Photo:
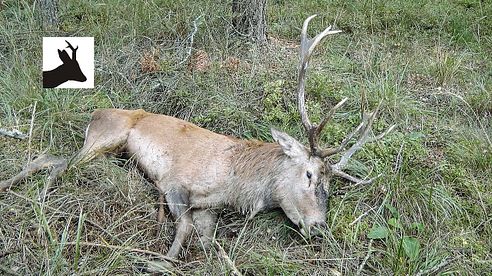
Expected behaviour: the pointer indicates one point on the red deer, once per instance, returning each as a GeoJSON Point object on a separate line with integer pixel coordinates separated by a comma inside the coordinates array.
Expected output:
{"type": "Point", "coordinates": [197, 170]}
{"type": "Point", "coordinates": [69, 70]}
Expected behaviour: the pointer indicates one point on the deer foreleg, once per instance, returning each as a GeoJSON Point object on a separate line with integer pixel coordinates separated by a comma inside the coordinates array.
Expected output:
{"type": "Point", "coordinates": [178, 203]}
{"type": "Point", "coordinates": [205, 220]}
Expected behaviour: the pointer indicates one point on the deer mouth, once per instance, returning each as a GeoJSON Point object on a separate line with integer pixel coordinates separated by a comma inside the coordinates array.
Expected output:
{"type": "Point", "coordinates": [315, 230]}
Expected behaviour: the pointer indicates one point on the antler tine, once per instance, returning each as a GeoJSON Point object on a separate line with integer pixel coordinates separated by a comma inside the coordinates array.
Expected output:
{"type": "Point", "coordinates": [329, 115]}
{"type": "Point", "coordinates": [354, 179]}
{"type": "Point", "coordinates": [382, 134]}
{"type": "Point", "coordinates": [366, 126]}
{"type": "Point", "coordinates": [74, 50]}
{"type": "Point", "coordinates": [331, 151]}
{"type": "Point", "coordinates": [363, 129]}
{"type": "Point", "coordinates": [308, 45]}
{"type": "Point", "coordinates": [304, 40]}
{"type": "Point", "coordinates": [305, 43]}
{"type": "Point", "coordinates": [307, 48]}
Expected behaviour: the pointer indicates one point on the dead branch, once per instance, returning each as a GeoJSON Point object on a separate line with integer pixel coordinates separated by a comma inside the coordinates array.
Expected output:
{"type": "Point", "coordinates": [196, 23]}
{"type": "Point", "coordinates": [13, 134]}
{"type": "Point", "coordinates": [361, 216]}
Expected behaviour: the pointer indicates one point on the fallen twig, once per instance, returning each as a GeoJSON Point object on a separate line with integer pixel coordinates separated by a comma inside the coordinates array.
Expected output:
{"type": "Point", "coordinates": [228, 260]}
{"type": "Point", "coordinates": [13, 134]}
{"type": "Point", "coordinates": [361, 216]}
{"type": "Point", "coordinates": [126, 248]}
{"type": "Point", "coordinates": [369, 251]}
{"type": "Point", "coordinates": [31, 127]}
{"type": "Point", "coordinates": [196, 23]}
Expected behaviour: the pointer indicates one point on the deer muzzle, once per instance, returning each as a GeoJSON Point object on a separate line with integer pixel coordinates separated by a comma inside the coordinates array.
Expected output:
{"type": "Point", "coordinates": [314, 230]}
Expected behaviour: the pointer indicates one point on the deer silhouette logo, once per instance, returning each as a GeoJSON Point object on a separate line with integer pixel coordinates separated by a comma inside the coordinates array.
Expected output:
{"type": "Point", "coordinates": [69, 70]}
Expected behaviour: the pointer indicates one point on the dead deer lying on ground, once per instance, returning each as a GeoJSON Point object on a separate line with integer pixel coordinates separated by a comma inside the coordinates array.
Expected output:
{"type": "Point", "coordinates": [198, 170]}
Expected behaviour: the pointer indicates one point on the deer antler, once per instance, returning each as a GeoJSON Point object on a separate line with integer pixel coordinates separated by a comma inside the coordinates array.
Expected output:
{"type": "Point", "coordinates": [74, 50]}
{"type": "Point", "coordinates": [307, 48]}
{"type": "Point", "coordinates": [313, 130]}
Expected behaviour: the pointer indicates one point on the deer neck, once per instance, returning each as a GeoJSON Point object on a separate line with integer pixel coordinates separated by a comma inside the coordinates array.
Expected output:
{"type": "Point", "coordinates": [255, 169]}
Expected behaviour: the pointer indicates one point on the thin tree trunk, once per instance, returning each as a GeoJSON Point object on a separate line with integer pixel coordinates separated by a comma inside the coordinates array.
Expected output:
{"type": "Point", "coordinates": [49, 13]}
{"type": "Point", "coordinates": [249, 19]}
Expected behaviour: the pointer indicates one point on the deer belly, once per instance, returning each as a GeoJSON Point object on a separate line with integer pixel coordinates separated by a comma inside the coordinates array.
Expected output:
{"type": "Point", "coordinates": [189, 165]}
{"type": "Point", "coordinates": [154, 159]}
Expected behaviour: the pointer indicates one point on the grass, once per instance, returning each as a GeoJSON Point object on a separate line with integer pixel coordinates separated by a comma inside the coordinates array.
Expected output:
{"type": "Point", "coordinates": [429, 62]}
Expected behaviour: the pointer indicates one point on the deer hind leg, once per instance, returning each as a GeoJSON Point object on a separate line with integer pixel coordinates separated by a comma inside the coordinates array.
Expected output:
{"type": "Point", "coordinates": [108, 131]}
{"type": "Point", "coordinates": [101, 138]}
{"type": "Point", "coordinates": [57, 165]}
{"type": "Point", "coordinates": [178, 203]}
{"type": "Point", "coordinates": [98, 140]}
{"type": "Point", "coordinates": [160, 213]}
{"type": "Point", "coordinates": [205, 221]}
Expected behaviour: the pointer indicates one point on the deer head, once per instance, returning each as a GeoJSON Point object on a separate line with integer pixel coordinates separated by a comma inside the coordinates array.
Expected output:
{"type": "Point", "coordinates": [304, 196]}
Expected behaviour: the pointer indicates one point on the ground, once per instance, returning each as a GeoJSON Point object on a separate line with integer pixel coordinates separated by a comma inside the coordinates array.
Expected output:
{"type": "Point", "coordinates": [428, 62]}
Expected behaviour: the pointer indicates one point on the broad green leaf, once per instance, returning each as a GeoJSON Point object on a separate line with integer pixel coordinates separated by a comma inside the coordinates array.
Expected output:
{"type": "Point", "coordinates": [378, 232]}
{"type": "Point", "coordinates": [392, 210]}
{"type": "Point", "coordinates": [419, 226]}
{"type": "Point", "coordinates": [394, 222]}
{"type": "Point", "coordinates": [411, 246]}
{"type": "Point", "coordinates": [416, 135]}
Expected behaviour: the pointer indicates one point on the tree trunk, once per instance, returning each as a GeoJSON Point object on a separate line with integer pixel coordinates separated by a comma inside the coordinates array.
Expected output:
{"type": "Point", "coordinates": [49, 13]}
{"type": "Point", "coordinates": [249, 19]}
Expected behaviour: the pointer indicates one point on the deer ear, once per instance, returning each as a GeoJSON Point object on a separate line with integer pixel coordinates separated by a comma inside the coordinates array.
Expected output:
{"type": "Point", "coordinates": [64, 56]}
{"type": "Point", "coordinates": [290, 146]}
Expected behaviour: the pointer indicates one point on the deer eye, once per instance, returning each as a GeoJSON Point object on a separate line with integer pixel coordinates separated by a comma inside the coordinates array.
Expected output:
{"type": "Point", "coordinates": [309, 174]}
